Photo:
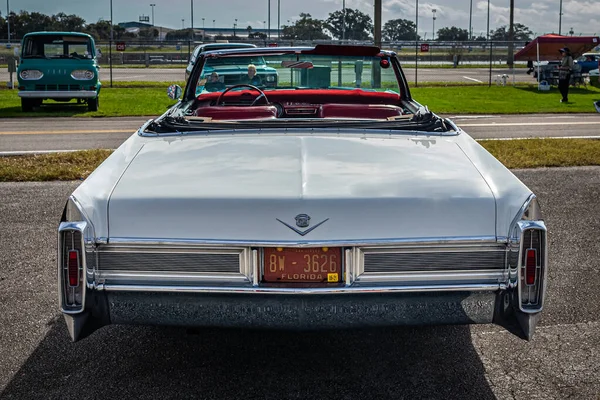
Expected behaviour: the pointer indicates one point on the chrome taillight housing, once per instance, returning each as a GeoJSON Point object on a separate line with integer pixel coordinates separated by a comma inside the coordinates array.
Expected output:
{"type": "Point", "coordinates": [528, 257]}
{"type": "Point", "coordinates": [532, 267]}
{"type": "Point", "coordinates": [71, 266]}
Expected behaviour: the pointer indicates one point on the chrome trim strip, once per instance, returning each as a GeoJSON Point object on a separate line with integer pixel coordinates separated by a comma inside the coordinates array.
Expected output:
{"type": "Point", "coordinates": [255, 267]}
{"type": "Point", "coordinates": [58, 94]}
{"type": "Point", "coordinates": [141, 132]}
{"type": "Point", "coordinates": [78, 226]}
{"type": "Point", "coordinates": [158, 277]}
{"type": "Point", "coordinates": [520, 214]}
{"type": "Point", "coordinates": [445, 276]}
{"type": "Point", "coordinates": [459, 240]}
{"type": "Point", "coordinates": [308, 291]}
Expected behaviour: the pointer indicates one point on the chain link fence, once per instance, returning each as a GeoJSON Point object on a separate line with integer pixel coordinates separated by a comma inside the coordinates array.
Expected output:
{"type": "Point", "coordinates": [477, 62]}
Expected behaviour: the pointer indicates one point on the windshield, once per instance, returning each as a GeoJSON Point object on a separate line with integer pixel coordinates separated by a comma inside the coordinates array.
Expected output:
{"type": "Point", "coordinates": [57, 46]}
{"type": "Point", "coordinates": [297, 71]}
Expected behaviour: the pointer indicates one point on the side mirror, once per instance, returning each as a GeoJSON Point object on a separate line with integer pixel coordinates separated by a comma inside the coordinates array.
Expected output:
{"type": "Point", "coordinates": [174, 92]}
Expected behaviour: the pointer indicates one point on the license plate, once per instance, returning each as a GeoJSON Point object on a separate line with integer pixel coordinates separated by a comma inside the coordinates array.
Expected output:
{"type": "Point", "coordinates": [322, 264]}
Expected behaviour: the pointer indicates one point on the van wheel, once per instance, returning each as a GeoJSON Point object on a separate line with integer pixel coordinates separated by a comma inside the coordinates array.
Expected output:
{"type": "Point", "coordinates": [27, 105]}
{"type": "Point", "coordinates": [93, 104]}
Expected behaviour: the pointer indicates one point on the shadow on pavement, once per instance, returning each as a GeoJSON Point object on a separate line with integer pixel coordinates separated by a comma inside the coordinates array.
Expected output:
{"type": "Point", "coordinates": [159, 362]}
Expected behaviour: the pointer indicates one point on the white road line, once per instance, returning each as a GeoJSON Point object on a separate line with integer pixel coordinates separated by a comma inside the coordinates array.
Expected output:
{"type": "Point", "coordinates": [534, 123]}
{"type": "Point", "coordinates": [472, 79]}
{"type": "Point", "coordinates": [121, 78]}
{"type": "Point", "coordinates": [543, 137]}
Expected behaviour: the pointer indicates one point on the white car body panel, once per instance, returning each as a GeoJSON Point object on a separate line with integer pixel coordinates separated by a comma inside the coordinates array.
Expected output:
{"type": "Point", "coordinates": [414, 182]}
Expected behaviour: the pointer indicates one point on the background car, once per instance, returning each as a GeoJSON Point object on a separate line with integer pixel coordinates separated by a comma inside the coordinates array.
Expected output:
{"type": "Point", "coordinates": [588, 62]}
{"type": "Point", "coordinates": [60, 66]}
{"type": "Point", "coordinates": [209, 47]}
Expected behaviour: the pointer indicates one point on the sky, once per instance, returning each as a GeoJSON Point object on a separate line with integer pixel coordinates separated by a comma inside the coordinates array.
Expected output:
{"type": "Point", "coordinates": [541, 16]}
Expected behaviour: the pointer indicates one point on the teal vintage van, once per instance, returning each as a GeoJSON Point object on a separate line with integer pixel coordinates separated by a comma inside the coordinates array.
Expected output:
{"type": "Point", "coordinates": [60, 66]}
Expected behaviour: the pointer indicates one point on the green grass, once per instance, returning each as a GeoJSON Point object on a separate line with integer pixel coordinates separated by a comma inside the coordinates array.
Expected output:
{"type": "Point", "coordinates": [527, 153]}
{"type": "Point", "coordinates": [149, 98]}
{"type": "Point", "coordinates": [535, 153]}
{"type": "Point", "coordinates": [504, 100]}
{"type": "Point", "coordinates": [115, 102]}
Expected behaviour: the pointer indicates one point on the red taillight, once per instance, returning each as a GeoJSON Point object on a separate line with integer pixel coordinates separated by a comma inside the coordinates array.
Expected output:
{"type": "Point", "coordinates": [530, 266]}
{"type": "Point", "coordinates": [73, 268]}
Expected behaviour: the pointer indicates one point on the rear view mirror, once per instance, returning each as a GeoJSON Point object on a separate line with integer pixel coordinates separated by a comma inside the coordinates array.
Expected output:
{"type": "Point", "coordinates": [174, 92]}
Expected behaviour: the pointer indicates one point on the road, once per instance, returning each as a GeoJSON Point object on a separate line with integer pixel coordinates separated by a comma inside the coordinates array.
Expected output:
{"type": "Point", "coordinates": [38, 134]}
{"type": "Point", "coordinates": [169, 75]}
{"type": "Point", "coordinates": [477, 362]}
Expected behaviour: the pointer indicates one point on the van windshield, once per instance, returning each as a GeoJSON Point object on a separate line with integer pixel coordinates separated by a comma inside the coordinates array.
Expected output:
{"type": "Point", "coordinates": [58, 46]}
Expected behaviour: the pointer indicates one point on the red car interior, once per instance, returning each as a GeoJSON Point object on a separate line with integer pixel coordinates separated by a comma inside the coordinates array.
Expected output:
{"type": "Point", "coordinates": [328, 103]}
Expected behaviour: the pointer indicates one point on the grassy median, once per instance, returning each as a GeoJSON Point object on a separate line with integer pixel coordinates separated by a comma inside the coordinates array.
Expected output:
{"type": "Point", "coordinates": [526, 153]}
{"type": "Point", "coordinates": [149, 98]}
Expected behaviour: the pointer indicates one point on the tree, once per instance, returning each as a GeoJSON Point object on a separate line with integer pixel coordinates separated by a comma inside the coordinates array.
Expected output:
{"type": "Point", "coordinates": [358, 26]}
{"type": "Point", "coordinates": [521, 32]}
{"type": "Point", "coordinates": [306, 28]}
{"type": "Point", "coordinates": [452, 34]}
{"type": "Point", "coordinates": [399, 29]}
{"type": "Point", "coordinates": [64, 22]}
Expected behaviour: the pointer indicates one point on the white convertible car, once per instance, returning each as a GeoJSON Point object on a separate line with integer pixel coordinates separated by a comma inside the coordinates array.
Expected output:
{"type": "Point", "coordinates": [331, 200]}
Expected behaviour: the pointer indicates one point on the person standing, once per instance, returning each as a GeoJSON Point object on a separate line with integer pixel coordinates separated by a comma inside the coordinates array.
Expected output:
{"type": "Point", "coordinates": [564, 73]}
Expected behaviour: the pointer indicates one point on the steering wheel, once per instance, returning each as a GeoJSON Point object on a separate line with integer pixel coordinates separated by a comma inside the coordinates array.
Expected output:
{"type": "Point", "coordinates": [262, 94]}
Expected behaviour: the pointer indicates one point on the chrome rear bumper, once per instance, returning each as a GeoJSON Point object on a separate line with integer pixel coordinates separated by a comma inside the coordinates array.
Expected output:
{"type": "Point", "coordinates": [286, 311]}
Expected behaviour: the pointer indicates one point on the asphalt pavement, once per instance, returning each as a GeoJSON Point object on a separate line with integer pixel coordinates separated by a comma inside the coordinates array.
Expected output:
{"type": "Point", "coordinates": [41, 134]}
{"type": "Point", "coordinates": [37, 360]}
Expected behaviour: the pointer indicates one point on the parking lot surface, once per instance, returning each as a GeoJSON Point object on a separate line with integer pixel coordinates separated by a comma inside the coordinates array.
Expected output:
{"type": "Point", "coordinates": [37, 359]}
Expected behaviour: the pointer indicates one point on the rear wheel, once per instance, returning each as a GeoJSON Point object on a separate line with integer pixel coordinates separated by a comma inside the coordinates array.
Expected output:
{"type": "Point", "coordinates": [93, 104]}
{"type": "Point", "coordinates": [27, 104]}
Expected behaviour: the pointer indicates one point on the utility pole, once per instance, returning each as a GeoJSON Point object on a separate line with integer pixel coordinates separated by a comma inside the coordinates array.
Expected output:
{"type": "Point", "coordinates": [416, 41]}
{"type": "Point", "coordinates": [376, 69]}
{"type": "Point", "coordinates": [511, 34]}
{"type": "Point", "coordinates": [433, 36]}
{"type": "Point", "coordinates": [344, 20]}
{"type": "Point", "coordinates": [560, 18]}
{"type": "Point", "coordinates": [8, 19]}
{"type": "Point", "coordinates": [110, 45]}
{"type": "Point", "coordinates": [470, 20]}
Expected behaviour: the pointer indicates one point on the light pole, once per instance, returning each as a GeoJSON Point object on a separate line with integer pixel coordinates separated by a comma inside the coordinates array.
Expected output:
{"type": "Point", "coordinates": [203, 29]}
{"type": "Point", "coordinates": [470, 21]}
{"type": "Point", "coordinates": [269, 19]}
{"type": "Point", "coordinates": [152, 5]}
{"type": "Point", "coordinates": [214, 24]}
{"type": "Point", "coordinates": [182, 21]}
{"type": "Point", "coordinates": [560, 18]}
{"type": "Point", "coordinates": [192, 16]}
{"type": "Point", "coordinates": [234, 26]}
{"type": "Point", "coordinates": [433, 11]}
{"type": "Point", "coordinates": [278, 19]}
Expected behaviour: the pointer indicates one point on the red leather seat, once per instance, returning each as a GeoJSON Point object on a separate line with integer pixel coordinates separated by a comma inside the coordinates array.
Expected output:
{"type": "Point", "coordinates": [237, 112]}
{"type": "Point", "coordinates": [374, 111]}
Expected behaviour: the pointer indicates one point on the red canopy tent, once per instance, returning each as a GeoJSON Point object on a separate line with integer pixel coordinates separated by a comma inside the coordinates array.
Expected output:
{"type": "Point", "coordinates": [546, 47]}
